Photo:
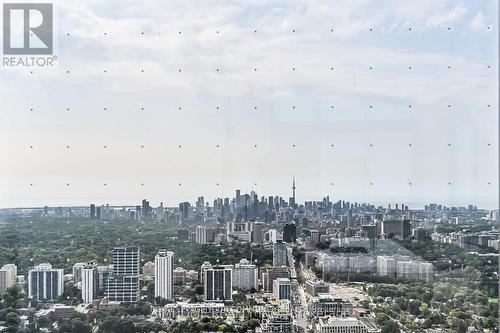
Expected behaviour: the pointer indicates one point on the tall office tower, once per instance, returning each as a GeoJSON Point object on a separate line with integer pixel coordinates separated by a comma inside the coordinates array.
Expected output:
{"type": "Point", "coordinates": [137, 213]}
{"type": "Point", "coordinates": [257, 232]}
{"type": "Point", "coordinates": [289, 233]}
{"type": "Point", "coordinates": [184, 208]}
{"type": "Point", "coordinates": [45, 283]}
{"type": "Point", "coordinates": [349, 219]}
{"type": "Point", "coordinates": [255, 206]}
{"type": "Point", "coordinates": [123, 284]}
{"type": "Point", "coordinates": [218, 283]}
{"type": "Point", "coordinates": [146, 209]}
{"type": "Point", "coordinates": [270, 203]}
{"type": "Point", "coordinates": [245, 276]}
{"type": "Point", "coordinates": [200, 205]}
{"type": "Point", "coordinates": [201, 235]}
{"type": "Point", "coordinates": [92, 211]}
{"type": "Point", "coordinates": [238, 198]}
{"type": "Point", "coordinates": [164, 266]}
{"type": "Point", "coordinates": [280, 257]}
{"type": "Point", "coordinates": [90, 282]}
{"type": "Point", "coordinates": [8, 274]}
{"type": "Point", "coordinates": [282, 288]}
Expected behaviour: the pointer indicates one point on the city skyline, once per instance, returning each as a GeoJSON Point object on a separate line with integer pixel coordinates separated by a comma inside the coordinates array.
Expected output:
{"type": "Point", "coordinates": [209, 201]}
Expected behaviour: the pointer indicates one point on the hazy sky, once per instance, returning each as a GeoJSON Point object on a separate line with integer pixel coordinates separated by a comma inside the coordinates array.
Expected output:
{"type": "Point", "coordinates": [202, 97]}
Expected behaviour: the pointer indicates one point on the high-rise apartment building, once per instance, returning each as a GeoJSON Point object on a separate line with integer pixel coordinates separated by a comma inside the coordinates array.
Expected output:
{"type": "Point", "coordinates": [77, 271]}
{"type": "Point", "coordinates": [164, 266]}
{"type": "Point", "coordinates": [123, 284]}
{"type": "Point", "coordinates": [102, 274]}
{"type": "Point", "coordinates": [403, 267]}
{"type": "Point", "coordinates": [218, 283]}
{"type": "Point", "coordinates": [268, 275]}
{"type": "Point", "coordinates": [126, 260]}
{"type": "Point", "coordinates": [415, 270]}
{"type": "Point", "coordinates": [8, 274]}
{"type": "Point", "coordinates": [179, 276]}
{"type": "Point", "coordinates": [201, 235]}
{"type": "Point", "coordinates": [272, 235]}
{"type": "Point", "coordinates": [45, 283]}
{"type": "Point", "coordinates": [314, 237]}
{"type": "Point", "coordinates": [280, 257]}
{"type": "Point", "coordinates": [400, 229]}
{"type": "Point", "coordinates": [257, 232]}
{"type": "Point", "coordinates": [206, 265]}
{"type": "Point", "coordinates": [122, 288]}
{"type": "Point", "coordinates": [282, 288]}
{"type": "Point", "coordinates": [245, 276]}
{"type": "Point", "coordinates": [90, 282]}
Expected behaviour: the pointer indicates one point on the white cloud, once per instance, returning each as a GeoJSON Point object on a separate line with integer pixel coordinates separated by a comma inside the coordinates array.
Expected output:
{"type": "Point", "coordinates": [478, 22]}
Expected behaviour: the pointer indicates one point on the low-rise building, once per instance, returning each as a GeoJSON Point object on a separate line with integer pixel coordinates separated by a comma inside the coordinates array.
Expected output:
{"type": "Point", "coordinates": [326, 305]}
{"type": "Point", "coordinates": [315, 287]}
{"type": "Point", "coordinates": [209, 309]}
{"type": "Point", "coordinates": [277, 317]}
{"type": "Point", "coordinates": [340, 325]}
{"type": "Point", "coordinates": [56, 311]}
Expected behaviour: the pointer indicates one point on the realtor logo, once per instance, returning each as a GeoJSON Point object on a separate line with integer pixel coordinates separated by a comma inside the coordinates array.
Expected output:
{"type": "Point", "coordinates": [27, 29]}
